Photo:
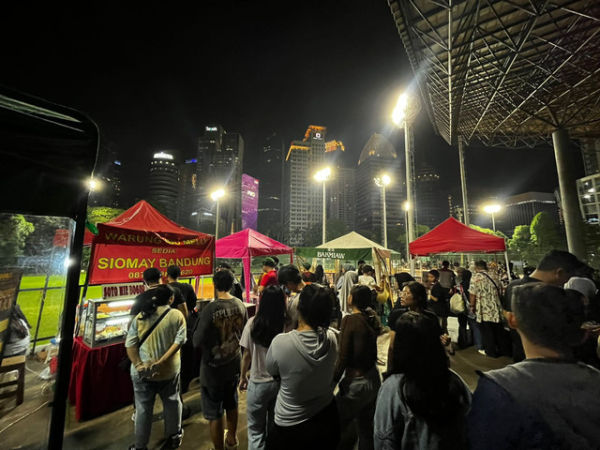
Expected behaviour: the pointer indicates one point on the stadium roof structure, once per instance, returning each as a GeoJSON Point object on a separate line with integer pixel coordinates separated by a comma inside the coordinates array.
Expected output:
{"type": "Point", "coordinates": [504, 73]}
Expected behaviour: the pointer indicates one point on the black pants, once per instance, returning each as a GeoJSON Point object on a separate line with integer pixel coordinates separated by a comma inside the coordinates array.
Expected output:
{"type": "Point", "coordinates": [320, 432]}
{"type": "Point", "coordinates": [495, 339]}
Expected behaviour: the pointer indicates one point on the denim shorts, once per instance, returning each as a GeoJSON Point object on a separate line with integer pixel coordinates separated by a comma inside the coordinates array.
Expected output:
{"type": "Point", "coordinates": [217, 399]}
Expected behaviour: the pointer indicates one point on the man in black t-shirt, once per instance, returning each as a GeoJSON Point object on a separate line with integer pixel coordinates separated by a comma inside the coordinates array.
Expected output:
{"type": "Point", "coordinates": [555, 268]}
{"type": "Point", "coordinates": [185, 297]}
{"type": "Point", "coordinates": [185, 300]}
{"type": "Point", "coordinates": [151, 278]}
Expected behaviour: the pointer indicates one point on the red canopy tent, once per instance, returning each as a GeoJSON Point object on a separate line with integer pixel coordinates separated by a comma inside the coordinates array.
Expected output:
{"type": "Point", "coordinates": [248, 243]}
{"type": "Point", "coordinates": [452, 236]}
{"type": "Point", "coordinates": [141, 238]}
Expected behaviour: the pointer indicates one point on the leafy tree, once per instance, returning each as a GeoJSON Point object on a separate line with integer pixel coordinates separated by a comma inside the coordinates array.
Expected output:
{"type": "Point", "coordinates": [14, 229]}
{"type": "Point", "coordinates": [499, 234]}
{"type": "Point", "coordinates": [520, 245]}
{"type": "Point", "coordinates": [545, 232]}
{"type": "Point", "coordinates": [101, 214]}
{"type": "Point", "coordinates": [44, 229]}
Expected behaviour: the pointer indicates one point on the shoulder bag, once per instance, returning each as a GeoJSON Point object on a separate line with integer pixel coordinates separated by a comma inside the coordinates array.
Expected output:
{"type": "Point", "coordinates": [125, 363]}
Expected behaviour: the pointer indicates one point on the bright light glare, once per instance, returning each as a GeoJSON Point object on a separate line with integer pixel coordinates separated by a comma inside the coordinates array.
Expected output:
{"type": "Point", "coordinates": [385, 179]}
{"type": "Point", "coordinates": [399, 113]}
{"type": "Point", "coordinates": [323, 174]}
{"type": "Point", "coordinates": [216, 195]}
{"type": "Point", "coordinates": [93, 185]}
{"type": "Point", "coordinates": [406, 206]}
{"type": "Point", "coordinates": [195, 213]}
{"type": "Point", "coordinates": [492, 209]}
{"type": "Point", "coordinates": [163, 155]}
{"type": "Point", "coordinates": [67, 262]}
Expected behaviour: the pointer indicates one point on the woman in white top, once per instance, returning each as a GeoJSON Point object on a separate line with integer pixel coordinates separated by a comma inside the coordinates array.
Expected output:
{"type": "Point", "coordinates": [262, 388]}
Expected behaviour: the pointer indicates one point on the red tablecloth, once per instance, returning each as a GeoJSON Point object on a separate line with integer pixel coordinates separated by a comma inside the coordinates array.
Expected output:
{"type": "Point", "coordinates": [98, 386]}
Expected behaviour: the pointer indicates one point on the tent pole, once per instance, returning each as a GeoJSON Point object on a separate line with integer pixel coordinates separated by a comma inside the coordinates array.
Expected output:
{"type": "Point", "coordinates": [507, 265]}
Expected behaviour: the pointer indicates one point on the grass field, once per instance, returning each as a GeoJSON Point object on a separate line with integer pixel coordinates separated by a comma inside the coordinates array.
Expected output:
{"type": "Point", "coordinates": [30, 301]}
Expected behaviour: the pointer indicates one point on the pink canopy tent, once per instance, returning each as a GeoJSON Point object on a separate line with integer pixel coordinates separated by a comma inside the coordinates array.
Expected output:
{"type": "Point", "coordinates": [246, 244]}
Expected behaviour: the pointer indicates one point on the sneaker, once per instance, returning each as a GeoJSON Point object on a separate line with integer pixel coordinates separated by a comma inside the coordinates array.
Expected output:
{"type": "Point", "coordinates": [229, 446]}
{"type": "Point", "coordinates": [482, 352]}
{"type": "Point", "coordinates": [133, 416]}
{"type": "Point", "coordinates": [175, 440]}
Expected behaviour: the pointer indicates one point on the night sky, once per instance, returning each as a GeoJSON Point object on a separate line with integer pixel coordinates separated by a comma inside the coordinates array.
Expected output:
{"type": "Point", "coordinates": [152, 78]}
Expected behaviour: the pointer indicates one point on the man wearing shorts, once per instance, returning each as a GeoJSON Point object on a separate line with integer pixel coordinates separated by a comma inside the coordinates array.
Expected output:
{"type": "Point", "coordinates": [218, 332]}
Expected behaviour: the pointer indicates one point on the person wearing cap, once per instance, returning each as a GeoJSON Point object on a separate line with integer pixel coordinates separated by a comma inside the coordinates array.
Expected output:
{"type": "Point", "coordinates": [269, 277]}
{"type": "Point", "coordinates": [555, 268]}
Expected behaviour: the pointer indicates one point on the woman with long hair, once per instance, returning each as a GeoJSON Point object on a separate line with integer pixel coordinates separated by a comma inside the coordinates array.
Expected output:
{"type": "Point", "coordinates": [304, 359]}
{"type": "Point", "coordinates": [357, 363]}
{"type": "Point", "coordinates": [413, 297]}
{"type": "Point", "coordinates": [262, 387]}
{"type": "Point", "coordinates": [423, 403]}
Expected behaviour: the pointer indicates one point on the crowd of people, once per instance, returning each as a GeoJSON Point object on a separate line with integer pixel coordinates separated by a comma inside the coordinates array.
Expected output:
{"type": "Point", "coordinates": [308, 359]}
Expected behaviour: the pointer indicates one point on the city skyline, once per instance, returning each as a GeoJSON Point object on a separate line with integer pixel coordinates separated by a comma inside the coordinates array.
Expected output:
{"type": "Point", "coordinates": [153, 79]}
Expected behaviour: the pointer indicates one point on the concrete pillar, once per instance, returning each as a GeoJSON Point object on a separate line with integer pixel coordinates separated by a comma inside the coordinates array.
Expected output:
{"type": "Point", "coordinates": [463, 180]}
{"type": "Point", "coordinates": [568, 193]}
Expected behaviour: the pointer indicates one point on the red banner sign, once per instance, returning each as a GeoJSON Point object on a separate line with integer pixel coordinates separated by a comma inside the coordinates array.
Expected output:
{"type": "Point", "coordinates": [123, 263]}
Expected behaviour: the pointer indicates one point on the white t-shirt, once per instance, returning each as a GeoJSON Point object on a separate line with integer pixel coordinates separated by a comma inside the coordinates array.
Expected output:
{"type": "Point", "coordinates": [258, 371]}
{"type": "Point", "coordinates": [367, 280]}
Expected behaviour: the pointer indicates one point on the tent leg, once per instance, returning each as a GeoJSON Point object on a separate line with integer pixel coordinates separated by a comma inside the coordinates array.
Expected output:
{"type": "Point", "coordinates": [507, 266]}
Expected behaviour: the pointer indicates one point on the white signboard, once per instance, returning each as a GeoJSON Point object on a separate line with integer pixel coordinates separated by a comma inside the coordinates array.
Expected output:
{"type": "Point", "coordinates": [123, 290]}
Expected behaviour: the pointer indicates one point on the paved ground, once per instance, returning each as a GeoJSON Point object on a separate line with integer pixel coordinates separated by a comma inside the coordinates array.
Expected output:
{"type": "Point", "coordinates": [115, 430]}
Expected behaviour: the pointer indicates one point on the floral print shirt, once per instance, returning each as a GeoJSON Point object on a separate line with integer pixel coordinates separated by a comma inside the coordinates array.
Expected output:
{"type": "Point", "coordinates": [487, 306]}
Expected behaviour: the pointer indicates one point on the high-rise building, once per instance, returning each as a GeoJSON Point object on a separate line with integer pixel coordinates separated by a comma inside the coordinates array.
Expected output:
{"type": "Point", "coordinates": [431, 203]}
{"type": "Point", "coordinates": [341, 189]}
{"type": "Point", "coordinates": [189, 213]}
{"type": "Point", "coordinates": [377, 157]}
{"type": "Point", "coordinates": [590, 153]}
{"type": "Point", "coordinates": [303, 201]}
{"type": "Point", "coordinates": [219, 164]}
{"type": "Point", "coordinates": [108, 174]}
{"type": "Point", "coordinates": [522, 208]}
{"type": "Point", "coordinates": [163, 184]}
{"type": "Point", "coordinates": [270, 198]}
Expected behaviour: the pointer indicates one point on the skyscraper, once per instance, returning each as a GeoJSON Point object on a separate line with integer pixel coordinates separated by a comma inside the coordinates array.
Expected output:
{"type": "Point", "coordinates": [163, 184]}
{"type": "Point", "coordinates": [590, 153]}
{"type": "Point", "coordinates": [431, 203]}
{"type": "Point", "coordinates": [341, 189]}
{"type": "Point", "coordinates": [377, 157]}
{"type": "Point", "coordinates": [303, 203]}
{"type": "Point", "coordinates": [189, 213]}
{"type": "Point", "coordinates": [270, 198]}
{"type": "Point", "coordinates": [219, 163]}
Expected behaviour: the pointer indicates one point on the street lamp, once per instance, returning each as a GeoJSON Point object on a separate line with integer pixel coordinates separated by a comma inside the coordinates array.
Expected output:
{"type": "Point", "coordinates": [217, 195]}
{"type": "Point", "coordinates": [407, 108]}
{"type": "Point", "coordinates": [492, 209]}
{"type": "Point", "coordinates": [322, 176]}
{"type": "Point", "coordinates": [406, 208]}
{"type": "Point", "coordinates": [93, 185]}
{"type": "Point", "coordinates": [382, 181]}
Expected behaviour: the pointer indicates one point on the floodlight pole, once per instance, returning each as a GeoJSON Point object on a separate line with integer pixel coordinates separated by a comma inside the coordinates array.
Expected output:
{"type": "Point", "coordinates": [324, 231]}
{"type": "Point", "coordinates": [408, 153]}
{"type": "Point", "coordinates": [385, 242]}
{"type": "Point", "coordinates": [463, 180]}
{"type": "Point", "coordinates": [217, 222]}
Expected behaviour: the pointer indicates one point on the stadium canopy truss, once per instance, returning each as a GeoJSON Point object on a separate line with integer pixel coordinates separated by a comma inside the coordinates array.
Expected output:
{"type": "Point", "coordinates": [505, 73]}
